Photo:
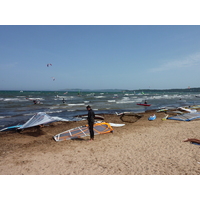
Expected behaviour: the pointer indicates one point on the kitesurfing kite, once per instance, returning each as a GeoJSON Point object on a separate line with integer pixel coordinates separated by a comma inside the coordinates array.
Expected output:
{"type": "Point", "coordinates": [49, 64]}
{"type": "Point", "coordinates": [53, 78]}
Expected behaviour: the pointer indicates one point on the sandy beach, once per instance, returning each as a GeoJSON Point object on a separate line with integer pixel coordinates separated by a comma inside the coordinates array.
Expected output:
{"type": "Point", "coordinates": [140, 148]}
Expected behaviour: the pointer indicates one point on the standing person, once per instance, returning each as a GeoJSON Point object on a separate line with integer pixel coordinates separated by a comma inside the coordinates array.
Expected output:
{"type": "Point", "coordinates": [90, 119]}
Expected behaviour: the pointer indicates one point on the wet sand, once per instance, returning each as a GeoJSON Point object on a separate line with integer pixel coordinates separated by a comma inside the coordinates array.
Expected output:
{"type": "Point", "coordinates": [138, 148]}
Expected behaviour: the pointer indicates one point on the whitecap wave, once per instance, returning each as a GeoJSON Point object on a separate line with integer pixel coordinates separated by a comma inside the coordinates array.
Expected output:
{"type": "Point", "coordinates": [78, 104]}
{"type": "Point", "coordinates": [14, 99]}
{"type": "Point", "coordinates": [99, 97]}
{"type": "Point", "coordinates": [111, 101]}
{"type": "Point", "coordinates": [56, 111]}
{"type": "Point", "coordinates": [1, 117]}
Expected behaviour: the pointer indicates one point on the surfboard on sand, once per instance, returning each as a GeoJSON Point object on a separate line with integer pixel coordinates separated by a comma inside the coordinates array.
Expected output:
{"type": "Point", "coordinates": [83, 131]}
{"type": "Point", "coordinates": [112, 124]}
{"type": "Point", "coordinates": [11, 128]}
{"type": "Point", "coordinates": [116, 125]}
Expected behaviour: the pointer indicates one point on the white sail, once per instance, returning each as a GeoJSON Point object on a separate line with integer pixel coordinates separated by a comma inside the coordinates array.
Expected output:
{"type": "Point", "coordinates": [38, 119]}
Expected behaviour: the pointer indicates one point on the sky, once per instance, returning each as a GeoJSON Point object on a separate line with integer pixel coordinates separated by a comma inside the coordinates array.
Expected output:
{"type": "Point", "coordinates": [107, 45]}
{"type": "Point", "coordinates": [99, 57]}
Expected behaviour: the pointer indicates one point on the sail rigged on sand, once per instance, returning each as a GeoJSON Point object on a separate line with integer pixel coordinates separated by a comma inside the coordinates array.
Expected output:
{"type": "Point", "coordinates": [38, 119]}
{"type": "Point", "coordinates": [186, 117]}
{"type": "Point", "coordinates": [83, 131]}
{"type": "Point", "coordinates": [41, 118]}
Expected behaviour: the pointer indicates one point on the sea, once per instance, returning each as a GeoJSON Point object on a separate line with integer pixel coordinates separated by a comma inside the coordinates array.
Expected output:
{"type": "Point", "coordinates": [17, 107]}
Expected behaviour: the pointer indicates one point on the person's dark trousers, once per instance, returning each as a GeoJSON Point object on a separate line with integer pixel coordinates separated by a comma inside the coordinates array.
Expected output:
{"type": "Point", "coordinates": [91, 125]}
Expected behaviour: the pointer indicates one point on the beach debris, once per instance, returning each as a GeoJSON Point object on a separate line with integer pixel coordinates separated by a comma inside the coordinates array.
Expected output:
{"type": "Point", "coordinates": [130, 117]}
{"type": "Point", "coordinates": [49, 64]}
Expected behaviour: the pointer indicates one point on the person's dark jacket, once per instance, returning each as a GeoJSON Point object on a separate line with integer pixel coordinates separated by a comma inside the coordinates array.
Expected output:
{"type": "Point", "coordinates": [91, 116]}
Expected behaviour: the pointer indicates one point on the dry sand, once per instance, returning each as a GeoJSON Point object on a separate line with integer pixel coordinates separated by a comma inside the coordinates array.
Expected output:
{"type": "Point", "coordinates": [140, 148]}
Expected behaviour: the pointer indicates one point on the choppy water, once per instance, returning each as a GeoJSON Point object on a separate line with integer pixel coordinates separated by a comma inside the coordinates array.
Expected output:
{"type": "Point", "coordinates": [15, 108]}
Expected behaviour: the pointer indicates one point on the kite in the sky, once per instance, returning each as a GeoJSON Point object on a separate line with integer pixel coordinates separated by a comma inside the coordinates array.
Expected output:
{"type": "Point", "coordinates": [49, 64]}
{"type": "Point", "coordinates": [53, 78]}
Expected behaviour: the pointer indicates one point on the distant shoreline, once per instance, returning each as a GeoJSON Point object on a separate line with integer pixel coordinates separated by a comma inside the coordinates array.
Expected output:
{"type": "Point", "coordinates": [197, 89]}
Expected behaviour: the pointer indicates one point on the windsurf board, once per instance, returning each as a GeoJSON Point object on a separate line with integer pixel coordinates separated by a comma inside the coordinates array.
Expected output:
{"type": "Point", "coordinates": [116, 125]}
{"type": "Point", "coordinates": [11, 128]}
{"type": "Point", "coordinates": [152, 117]}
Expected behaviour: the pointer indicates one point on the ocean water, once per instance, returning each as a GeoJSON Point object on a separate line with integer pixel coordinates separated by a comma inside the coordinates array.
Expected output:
{"type": "Point", "coordinates": [16, 107]}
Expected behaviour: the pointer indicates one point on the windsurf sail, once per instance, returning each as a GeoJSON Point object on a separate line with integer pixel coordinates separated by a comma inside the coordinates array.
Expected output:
{"type": "Point", "coordinates": [186, 117]}
{"type": "Point", "coordinates": [41, 118]}
{"type": "Point", "coordinates": [83, 131]}
{"type": "Point", "coordinates": [38, 119]}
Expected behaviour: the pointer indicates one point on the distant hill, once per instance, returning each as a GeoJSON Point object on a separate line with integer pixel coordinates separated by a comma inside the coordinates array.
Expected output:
{"type": "Point", "coordinates": [195, 90]}
{"type": "Point", "coordinates": [90, 90]}
{"type": "Point", "coordinates": [167, 90]}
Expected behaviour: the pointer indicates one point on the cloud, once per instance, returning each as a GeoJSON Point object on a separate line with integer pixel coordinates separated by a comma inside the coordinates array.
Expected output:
{"type": "Point", "coordinates": [187, 62]}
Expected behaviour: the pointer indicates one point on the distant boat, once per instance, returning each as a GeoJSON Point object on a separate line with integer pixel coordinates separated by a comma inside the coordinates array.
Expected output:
{"type": "Point", "coordinates": [21, 90]}
{"type": "Point", "coordinates": [143, 104]}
